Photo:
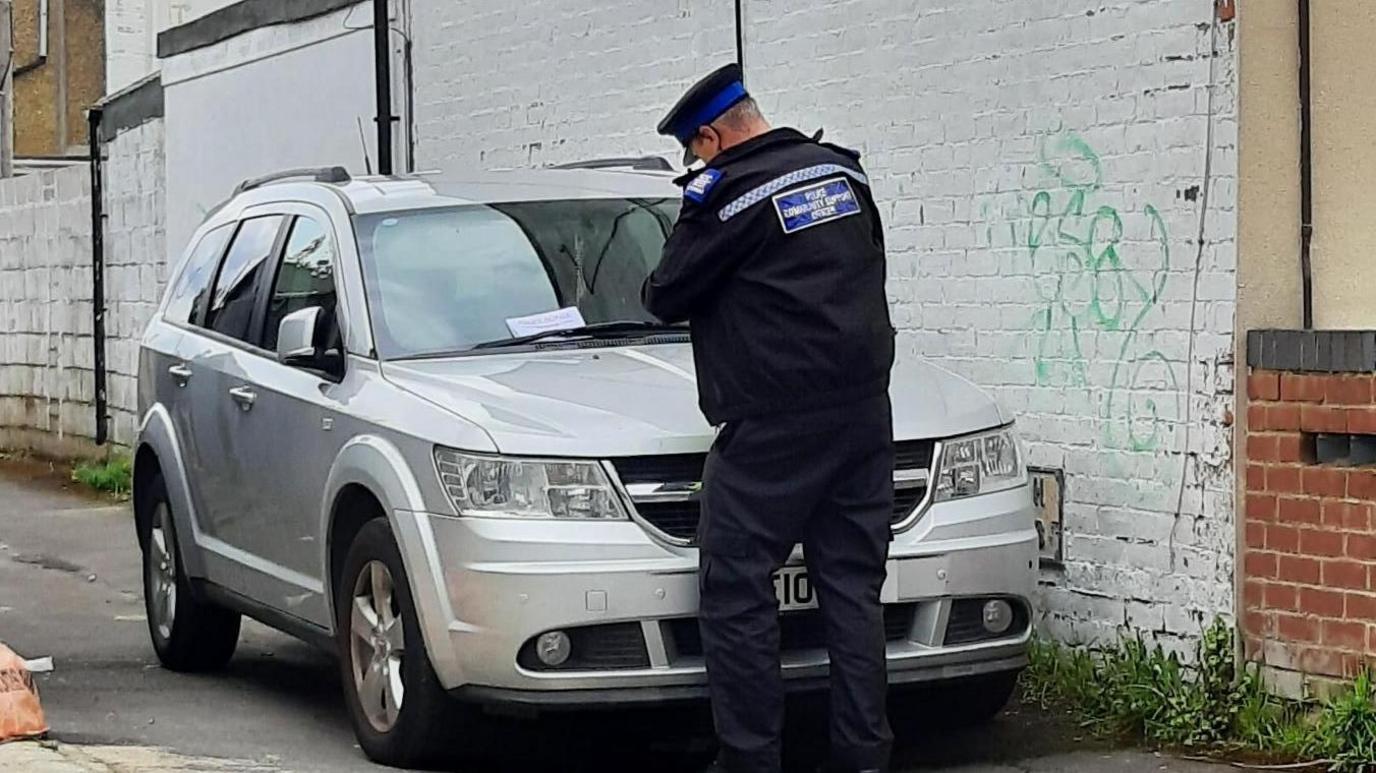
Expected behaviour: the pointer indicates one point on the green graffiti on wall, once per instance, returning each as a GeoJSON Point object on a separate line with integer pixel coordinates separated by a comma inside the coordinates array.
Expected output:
{"type": "Point", "coordinates": [1095, 290]}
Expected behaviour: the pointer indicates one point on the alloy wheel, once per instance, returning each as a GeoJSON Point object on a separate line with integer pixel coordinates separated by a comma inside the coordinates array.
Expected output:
{"type": "Point", "coordinates": [161, 568]}
{"type": "Point", "coordinates": [377, 645]}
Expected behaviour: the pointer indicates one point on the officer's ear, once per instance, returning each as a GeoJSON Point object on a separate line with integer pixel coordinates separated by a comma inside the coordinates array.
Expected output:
{"type": "Point", "coordinates": [710, 135]}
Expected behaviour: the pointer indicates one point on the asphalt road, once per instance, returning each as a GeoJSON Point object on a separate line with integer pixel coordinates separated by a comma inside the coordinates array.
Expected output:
{"type": "Point", "coordinates": [69, 588]}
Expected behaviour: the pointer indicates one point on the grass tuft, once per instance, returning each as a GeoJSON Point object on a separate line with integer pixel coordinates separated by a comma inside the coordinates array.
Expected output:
{"type": "Point", "coordinates": [1137, 692]}
{"type": "Point", "coordinates": [112, 476]}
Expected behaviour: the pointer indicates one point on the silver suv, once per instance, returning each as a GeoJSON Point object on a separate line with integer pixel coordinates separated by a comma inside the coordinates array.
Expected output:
{"type": "Point", "coordinates": [427, 425]}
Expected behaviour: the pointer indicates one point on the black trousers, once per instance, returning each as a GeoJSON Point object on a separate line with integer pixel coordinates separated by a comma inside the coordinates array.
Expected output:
{"type": "Point", "coordinates": [823, 479]}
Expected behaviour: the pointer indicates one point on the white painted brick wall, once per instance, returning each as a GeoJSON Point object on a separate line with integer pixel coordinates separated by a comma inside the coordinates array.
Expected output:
{"type": "Point", "coordinates": [502, 85]}
{"type": "Point", "coordinates": [131, 34]}
{"type": "Point", "coordinates": [315, 79]}
{"type": "Point", "coordinates": [1040, 165]}
{"type": "Point", "coordinates": [47, 397]}
{"type": "Point", "coordinates": [1011, 143]}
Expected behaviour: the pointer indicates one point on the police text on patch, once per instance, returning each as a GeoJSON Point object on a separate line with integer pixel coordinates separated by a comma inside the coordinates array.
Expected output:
{"type": "Point", "coordinates": [816, 204]}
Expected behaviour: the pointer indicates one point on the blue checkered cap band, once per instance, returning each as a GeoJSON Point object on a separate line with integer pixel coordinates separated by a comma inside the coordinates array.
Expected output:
{"type": "Point", "coordinates": [762, 192]}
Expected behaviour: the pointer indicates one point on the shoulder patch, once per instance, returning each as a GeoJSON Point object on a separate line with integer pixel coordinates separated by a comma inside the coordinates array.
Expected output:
{"type": "Point", "coordinates": [816, 204]}
{"type": "Point", "coordinates": [698, 187]}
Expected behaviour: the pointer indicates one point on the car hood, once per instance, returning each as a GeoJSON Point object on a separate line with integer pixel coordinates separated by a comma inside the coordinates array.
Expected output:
{"type": "Point", "coordinates": [640, 400]}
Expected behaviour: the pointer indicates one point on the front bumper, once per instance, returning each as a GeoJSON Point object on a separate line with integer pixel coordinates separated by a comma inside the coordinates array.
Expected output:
{"type": "Point", "coordinates": [499, 583]}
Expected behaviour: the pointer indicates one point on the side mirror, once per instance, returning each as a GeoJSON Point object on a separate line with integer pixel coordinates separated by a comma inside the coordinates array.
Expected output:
{"type": "Point", "coordinates": [296, 338]}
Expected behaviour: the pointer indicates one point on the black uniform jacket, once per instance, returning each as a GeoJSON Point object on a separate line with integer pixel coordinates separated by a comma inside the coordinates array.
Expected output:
{"type": "Point", "coordinates": [777, 261]}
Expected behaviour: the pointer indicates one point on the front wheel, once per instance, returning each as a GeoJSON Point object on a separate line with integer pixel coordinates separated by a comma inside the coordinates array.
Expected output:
{"type": "Point", "coordinates": [396, 703]}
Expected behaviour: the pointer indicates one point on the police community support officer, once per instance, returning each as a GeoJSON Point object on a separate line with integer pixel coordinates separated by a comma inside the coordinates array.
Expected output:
{"type": "Point", "coordinates": [777, 259]}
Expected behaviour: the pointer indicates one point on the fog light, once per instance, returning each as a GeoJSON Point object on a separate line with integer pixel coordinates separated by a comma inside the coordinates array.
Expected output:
{"type": "Point", "coordinates": [998, 616]}
{"type": "Point", "coordinates": [554, 648]}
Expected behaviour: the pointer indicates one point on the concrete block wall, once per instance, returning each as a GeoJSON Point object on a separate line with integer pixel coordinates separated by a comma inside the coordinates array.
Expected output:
{"type": "Point", "coordinates": [136, 261]}
{"type": "Point", "coordinates": [1042, 166]}
{"type": "Point", "coordinates": [47, 397]}
{"type": "Point", "coordinates": [46, 354]}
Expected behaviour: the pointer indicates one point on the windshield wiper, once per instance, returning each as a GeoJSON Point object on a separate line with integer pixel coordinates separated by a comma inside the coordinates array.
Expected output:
{"type": "Point", "coordinates": [597, 330]}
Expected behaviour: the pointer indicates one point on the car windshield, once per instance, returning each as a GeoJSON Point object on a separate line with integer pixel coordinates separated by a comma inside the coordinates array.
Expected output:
{"type": "Point", "coordinates": [445, 280]}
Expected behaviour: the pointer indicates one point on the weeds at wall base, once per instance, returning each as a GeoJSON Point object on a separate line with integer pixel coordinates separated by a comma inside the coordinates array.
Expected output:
{"type": "Point", "coordinates": [113, 476]}
{"type": "Point", "coordinates": [1137, 692]}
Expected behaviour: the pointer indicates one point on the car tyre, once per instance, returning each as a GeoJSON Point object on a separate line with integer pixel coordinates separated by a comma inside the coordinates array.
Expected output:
{"type": "Point", "coordinates": [398, 708]}
{"type": "Point", "coordinates": [188, 632]}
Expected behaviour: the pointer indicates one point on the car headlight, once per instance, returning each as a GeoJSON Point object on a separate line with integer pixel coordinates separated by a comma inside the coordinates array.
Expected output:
{"type": "Point", "coordinates": [979, 464]}
{"type": "Point", "coordinates": [503, 487]}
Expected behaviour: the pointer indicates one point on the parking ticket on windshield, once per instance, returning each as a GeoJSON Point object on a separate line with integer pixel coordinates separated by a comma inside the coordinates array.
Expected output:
{"type": "Point", "coordinates": [559, 319]}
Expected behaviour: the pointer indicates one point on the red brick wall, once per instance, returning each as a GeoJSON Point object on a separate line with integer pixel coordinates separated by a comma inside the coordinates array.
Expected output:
{"type": "Point", "coordinates": [1309, 565]}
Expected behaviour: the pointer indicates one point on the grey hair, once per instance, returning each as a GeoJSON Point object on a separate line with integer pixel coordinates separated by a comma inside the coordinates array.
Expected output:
{"type": "Point", "coordinates": [741, 115]}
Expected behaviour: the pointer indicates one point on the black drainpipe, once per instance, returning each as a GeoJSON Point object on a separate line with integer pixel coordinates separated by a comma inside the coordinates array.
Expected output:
{"type": "Point", "coordinates": [1306, 171]}
{"type": "Point", "coordinates": [98, 274]}
{"type": "Point", "coordinates": [410, 107]}
{"type": "Point", "coordinates": [382, 62]}
{"type": "Point", "coordinates": [740, 34]}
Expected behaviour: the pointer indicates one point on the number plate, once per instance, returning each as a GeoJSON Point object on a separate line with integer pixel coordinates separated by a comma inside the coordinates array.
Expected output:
{"type": "Point", "coordinates": [794, 590]}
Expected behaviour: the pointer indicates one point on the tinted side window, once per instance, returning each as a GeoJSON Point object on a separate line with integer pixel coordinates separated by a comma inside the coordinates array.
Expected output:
{"type": "Point", "coordinates": [231, 305]}
{"type": "Point", "coordinates": [193, 286]}
{"type": "Point", "coordinates": [305, 278]}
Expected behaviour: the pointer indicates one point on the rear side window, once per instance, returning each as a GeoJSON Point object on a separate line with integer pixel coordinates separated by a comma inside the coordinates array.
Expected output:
{"type": "Point", "coordinates": [305, 278]}
{"type": "Point", "coordinates": [193, 286]}
{"type": "Point", "coordinates": [236, 286]}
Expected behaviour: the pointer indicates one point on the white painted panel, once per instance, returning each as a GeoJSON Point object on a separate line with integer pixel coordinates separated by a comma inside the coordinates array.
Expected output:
{"type": "Point", "coordinates": [274, 98]}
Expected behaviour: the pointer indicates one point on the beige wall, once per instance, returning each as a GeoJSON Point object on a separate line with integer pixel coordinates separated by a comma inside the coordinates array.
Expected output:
{"type": "Point", "coordinates": [1344, 105]}
{"type": "Point", "coordinates": [1343, 77]}
{"type": "Point", "coordinates": [1268, 174]}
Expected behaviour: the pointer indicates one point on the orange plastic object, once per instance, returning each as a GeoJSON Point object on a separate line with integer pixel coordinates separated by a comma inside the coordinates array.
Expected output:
{"type": "Point", "coordinates": [21, 715]}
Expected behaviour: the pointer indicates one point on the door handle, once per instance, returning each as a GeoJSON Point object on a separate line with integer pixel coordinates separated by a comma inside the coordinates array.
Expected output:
{"type": "Point", "coordinates": [180, 373]}
{"type": "Point", "coordinates": [244, 396]}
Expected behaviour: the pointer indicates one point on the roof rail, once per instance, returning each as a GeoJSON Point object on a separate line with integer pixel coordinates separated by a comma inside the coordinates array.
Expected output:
{"type": "Point", "coordinates": [648, 163]}
{"type": "Point", "coordinates": [322, 174]}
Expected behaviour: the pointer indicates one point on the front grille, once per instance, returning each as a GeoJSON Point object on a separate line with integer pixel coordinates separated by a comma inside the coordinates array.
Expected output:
{"type": "Point", "coordinates": [910, 455]}
{"type": "Point", "coordinates": [669, 468]}
{"type": "Point", "coordinates": [595, 648]}
{"type": "Point", "coordinates": [679, 519]}
{"type": "Point", "coordinates": [913, 455]}
{"type": "Point", "coordinates": [798, 631]}
{"type": "Point", "coordinates": [905, 500]}
{"type": "Point", "coordinates": [966, 622]}
{"type": "Point", "coordinates": [898, 621]}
